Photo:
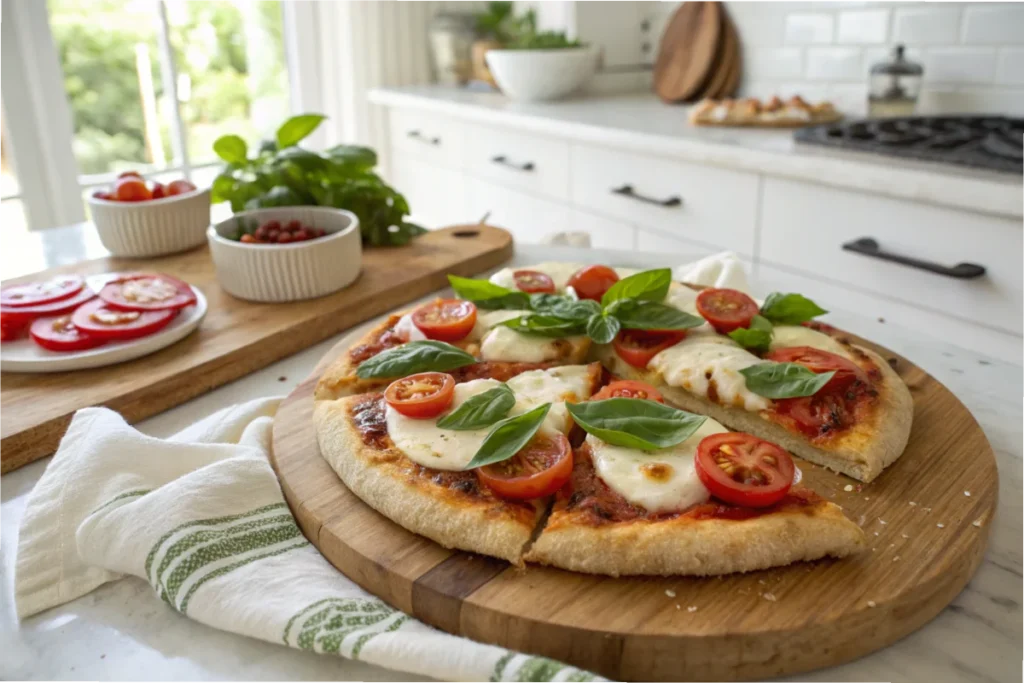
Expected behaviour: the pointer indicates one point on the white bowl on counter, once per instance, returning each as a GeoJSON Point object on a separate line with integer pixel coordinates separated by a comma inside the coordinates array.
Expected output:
{"type": "Point", "coordinates": [152, 228]}
{"type": "Point", "coordinates": [293, 271]}
{"type": "Point", "coordinates": [539, 75]}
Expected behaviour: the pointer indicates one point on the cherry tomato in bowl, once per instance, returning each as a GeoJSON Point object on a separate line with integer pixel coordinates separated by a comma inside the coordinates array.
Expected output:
{"type": "Point", "coordinates": [97, 319]}
{"type": "Point", "coordinates": [741, 469]}
{"type": "Point", "coordinates": [60, 334]}
{"type": "Point", "coordinates": [539, 469]}
{"type": "Point", "coordinates": [421, 396]}
{"type": "Point", "coordinates": [147, 292]}
{"type": "Point", "coordinates": [592, 282]}
{"type": "Point", "coordinates": [176, 187]}
{"type": "Point", "coordinates": [132, 189]}
{"type": "Point", "coordinates": [628, 388]}
{"type": "Point", "coordinates": [446, 320]}
{"type": "Point", "coordinates": [38, 293]}
{"type": "Point", "coordinates": [638, 347]}
{"type": "Point", "coordinates": [533, 282]}
{"type": "Point", "coordinates": [726, 309]}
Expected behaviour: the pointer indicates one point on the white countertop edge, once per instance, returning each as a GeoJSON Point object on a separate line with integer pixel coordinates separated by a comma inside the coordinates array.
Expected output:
{"type": "Point", "coordinates": [837, 169]}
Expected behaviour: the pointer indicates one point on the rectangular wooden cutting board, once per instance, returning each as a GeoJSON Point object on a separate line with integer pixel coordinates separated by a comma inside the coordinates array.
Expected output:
{"type": "Point", "coordinates": [236, 337]}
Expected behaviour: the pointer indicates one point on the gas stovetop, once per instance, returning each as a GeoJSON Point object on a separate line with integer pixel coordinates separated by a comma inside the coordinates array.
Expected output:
{"type": "Point", "coordinates": [989, 142]}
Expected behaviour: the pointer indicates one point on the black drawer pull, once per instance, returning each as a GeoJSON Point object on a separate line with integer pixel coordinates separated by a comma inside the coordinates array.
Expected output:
{"type": "Point", "coordinates": [627, 191]}
{"type": "Point", "coordinates": [416, 135]}
{"type": "Point", "coordinates": [869, 247]}
{"type": "Point", "coordinates": [503, 160]}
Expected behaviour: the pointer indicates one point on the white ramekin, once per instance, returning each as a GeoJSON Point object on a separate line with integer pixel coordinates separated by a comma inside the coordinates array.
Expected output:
{"type": "Point", "coordinates": [288, 272]}
{"type": "Point", "coordinates": [152, 228]}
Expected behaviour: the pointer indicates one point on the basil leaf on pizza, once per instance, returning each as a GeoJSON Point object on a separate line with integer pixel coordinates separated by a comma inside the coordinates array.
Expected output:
{"type": "Point", "coordinates": [481, 410]}
{"type": "Point", "coordinates": [543, 325]}
{"type": "Point", "coordinates": [650, 315]}
{"type": "Point", "coordinates": [487, 295]}
{"type": "Point", "coordinates": [757, 337]}
{"type": "Point", "coordinates": [647, 285]}
{"type": "Point", "coordinates": [790, 309]}
{"type": "Point", "coordinates": [784, 380]}
{"type": "Point", "coordinates": [508, 437]}
{"type": "Point", "coordinates": [635, 423]}
{"type": "Point", "coordinates": [416, 356]}
{"type": "Point", "coordinates": [603, 328]}
{"type": "Point", "coordinates": [564, 307]}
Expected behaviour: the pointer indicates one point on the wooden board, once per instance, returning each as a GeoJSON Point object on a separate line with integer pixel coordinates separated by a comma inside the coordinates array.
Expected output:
{"type": "Point", "coordinates": [687, 51]}
{"type": "Point", "coordinates": [927, 538]}
{"type": "Point", "coordinates": [236, 338]}
{"type": "Point", "coordinates": [726, 77]}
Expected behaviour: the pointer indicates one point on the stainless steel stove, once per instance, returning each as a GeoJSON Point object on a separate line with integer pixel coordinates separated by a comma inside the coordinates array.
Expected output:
{"type": "Point", "coordinates": [989, 142]}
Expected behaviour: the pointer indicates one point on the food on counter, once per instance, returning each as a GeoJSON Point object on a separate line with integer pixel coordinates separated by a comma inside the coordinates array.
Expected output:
{"type": "Point", "coordinates": [468, 435]}
{"type": "Point", "coordinates": [276, 232]}
{"type": "Point", "coordinates": [60, 334]}
{"type": "Point", "coordinates": [771, 114]}
{"type": "Point", "coordinates": [38, 293]}
{"type": "Point", "coordinates": [130, 186]}
{"type": "Point", "coordinates": [100, 320]}
{"type": "Point", "coordinates": [147, 292]}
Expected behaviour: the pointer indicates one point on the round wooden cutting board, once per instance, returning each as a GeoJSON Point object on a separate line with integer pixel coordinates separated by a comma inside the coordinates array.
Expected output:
{"type": "Point", "coordinates": [927, 518]}
{"type": "Point", "coordinates": [687, 52]}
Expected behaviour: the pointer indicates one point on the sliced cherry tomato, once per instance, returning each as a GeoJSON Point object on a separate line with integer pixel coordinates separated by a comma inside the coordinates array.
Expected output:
{"type": "Point", "coordinates": [132, 189]}
{"type": "Point", "coordinates": [97, 319]}
{"type": "Point", "coordinates": [815, 415]}
{"type": "Point", "coordinates": [592, 282]}
{"type": "Point", "coordinates": [36, 293]}
{"type": "Point", "coordinates": [744, 470]}
{"type": "Point", "coordinates": [628, 388]}
{"type": "Point", "coordinates": [819, 361]}
{"type": "Point", "coordinates": [534, 282]}
{"type": "Point", "coordinates": [539, 469]}
{"type": "Point", "coordinates": [23, 315]}
{"type": "Point", "coordinates": [179, 187]}
{"type": "Point", "coordinates": [421, 396]}
{"type": "Point", "coordinates": [147, 292]}
{"type": "Point", "coordinates": [638, 347]}
{"type": "Point", "coordinates": [59, 334]}
{"type": "Point", "coordinates": [446, 319]}
{"type": "Point", "coordinates": [726, 309]}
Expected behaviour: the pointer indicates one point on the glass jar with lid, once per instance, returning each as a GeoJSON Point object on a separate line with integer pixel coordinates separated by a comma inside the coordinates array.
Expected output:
{"type": "Point", "coordinates": [894, 86]}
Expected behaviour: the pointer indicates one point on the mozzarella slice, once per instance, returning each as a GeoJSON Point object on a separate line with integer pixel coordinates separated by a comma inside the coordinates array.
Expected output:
{"type": "Point", "coordinates": [407, 330]}
{"type": "Point", "coordinates": [555, 385]}
{"type": "Point", "coordinates": [487, 320]}
{"type": "Point", "coordinates": [658, 481]}
{"type": "Point", "coordinates": [784, 336]}
{"type": "Point", "coordinates": [499, 343]}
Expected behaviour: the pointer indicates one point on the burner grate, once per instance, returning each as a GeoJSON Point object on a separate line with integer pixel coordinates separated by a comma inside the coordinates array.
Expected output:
{"type": "Point", "coordinates": [989, 142]}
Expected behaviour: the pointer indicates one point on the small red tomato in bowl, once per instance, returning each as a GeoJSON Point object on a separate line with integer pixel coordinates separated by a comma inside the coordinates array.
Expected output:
{"type": "Point", "coordinates": [176, 187]}
{"type": "Point", "coordinates": [132, 189]}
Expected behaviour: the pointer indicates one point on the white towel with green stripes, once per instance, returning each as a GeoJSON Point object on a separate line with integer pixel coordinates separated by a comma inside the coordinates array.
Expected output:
{"type": "Point", "coordinates": [201, 517]}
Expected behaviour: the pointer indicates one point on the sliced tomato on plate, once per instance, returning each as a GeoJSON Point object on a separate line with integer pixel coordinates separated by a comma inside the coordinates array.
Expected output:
{"type": "Point", "coordinates": [421, 396]}
{"type": "Point", "coordinates": [147, 292]}
{"type": "Point", "coordinates": [592, 282]}
{"type": "Point", "coordinates": [744, 470]}
{"type": "Point", "coordinates": [60, 334]}
{"type": "Point", "coordinates": [11, 330]}
{"type": "Point", "coordinates": [539, 469]}
{"type": "Point", "coordinates": [38, 293]}
{"type": "Point", "coordinates": [628, 388]}
{"type": "Point", "coordinates": [533, 282]}
{"type": "Point", "coordinates": [446, 319]}
{"type": "Point", "coordinates": [638, 347]}
{"type": "Point", "coordinates": [97, 319]}
{"type": "Point", "coordinates": [23, 315]}
{"type": "Point", "coordinates": [726, 309]}
{"type": "Point", "coordinates": [819, 361]}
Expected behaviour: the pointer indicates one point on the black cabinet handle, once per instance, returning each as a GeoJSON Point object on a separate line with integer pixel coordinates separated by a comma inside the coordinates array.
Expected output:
{"type": "Point", "coordinates": [416, 135]}
{"type": "Point", "coordinates": [870, 247]}
{"type": "Point", "coordinates": [503, 160]}
{"type": "Point", "coordinates": [627, 191]}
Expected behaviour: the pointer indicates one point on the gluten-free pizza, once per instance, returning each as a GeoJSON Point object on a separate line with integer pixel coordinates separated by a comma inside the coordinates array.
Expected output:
{"type": "Point", "coordinates": [611, 421]}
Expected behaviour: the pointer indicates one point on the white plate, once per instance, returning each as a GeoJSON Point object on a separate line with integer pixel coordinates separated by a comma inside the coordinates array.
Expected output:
{"type": "Point", "coordinates": [25, 355]}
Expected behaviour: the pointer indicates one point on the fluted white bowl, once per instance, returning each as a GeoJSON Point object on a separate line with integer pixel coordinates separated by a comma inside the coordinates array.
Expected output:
{"type": "Point", "coordinates": [155, 227]}
{"type": "Point", "coordinates": [293, 271]}
{"type": "Point", "coordinates": [538, 75]}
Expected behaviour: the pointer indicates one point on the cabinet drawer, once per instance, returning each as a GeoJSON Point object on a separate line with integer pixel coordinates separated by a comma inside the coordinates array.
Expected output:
{"type": "Point", "coordinates": [436, 195]}
{"type": "Point", "coordinates": [425, 136]}
{"type": "Point", "coordinates": [604, 232]}
{"type": "Point", "coordinates": [711, 206]}
{"type": "Point", "coordinates": [530, 219]}
{"type": "Point", "coordinates": [805, 226]}
{"type": "Point", "coordinates": [534, 163]}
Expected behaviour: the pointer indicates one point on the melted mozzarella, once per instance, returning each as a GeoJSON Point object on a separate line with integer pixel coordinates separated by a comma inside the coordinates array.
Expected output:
{"type": "Point", "coordinates": [784, 336]}
{"type": "Point", "coordinates": [498, 343]}
{"type": "Point", "coordinates": [555, 385]}
{"type": "Point", "coordinates": [407, 330]}
{"type": "Point", "coordinates": [487, 320]}
{"type": "Point", "coordinates": [707, 363]}
{"type": "Point", "coordinates": [658, 481]}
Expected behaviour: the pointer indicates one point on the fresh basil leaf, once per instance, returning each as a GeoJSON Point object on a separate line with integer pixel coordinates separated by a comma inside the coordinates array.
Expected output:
{"type": "Point", "coordinates": [564, 307]}
{"type": "Point", "coordinates": [757, 337]}
{"type": "Point", "coordinates": [417, 356]}
{"type": "Point", "coordinates": [481, 410]}
{"type": "Point", "coordinates": [647, 285]}
{"type": "Point", "coordinates": [508, 437]}
{"type": "Point", "coordinates": [635, 423]}
{"type": "Point", "coordinates": [650, 315]}
{"type": "Point", "coordinates": [790, 309]}
{"type": "Point", "coordinates": [295, 129]}
{"type": "Point", "coordinates": [487, 295]}
{"type": "Point", "coordinates": [231, 148]}
{"type": "Point", "coordinates": [603, 328]}
{"type": "Point", "coordinates": [541, 325]}
{"type": "Point", "coordinates": [784, 380]}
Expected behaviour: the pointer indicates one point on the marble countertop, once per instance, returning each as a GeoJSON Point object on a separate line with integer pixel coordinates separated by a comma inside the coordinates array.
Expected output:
{"type": "Point", "coordinates": [122, 631]}
{"type": "Point", "coordinates": [641, 122]}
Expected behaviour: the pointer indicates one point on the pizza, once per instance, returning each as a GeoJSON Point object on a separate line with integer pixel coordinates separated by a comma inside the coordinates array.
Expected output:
{"type": "Point", "coordinates": [611, 421]}
{"type": "Point", "coordinates": [772, 113]}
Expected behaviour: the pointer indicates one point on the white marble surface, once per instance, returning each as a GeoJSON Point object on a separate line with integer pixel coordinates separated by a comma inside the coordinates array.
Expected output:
{"type": "Point", "coordinates": [642, 123]}
{"type": "Point", "coordinates": [123, 632]}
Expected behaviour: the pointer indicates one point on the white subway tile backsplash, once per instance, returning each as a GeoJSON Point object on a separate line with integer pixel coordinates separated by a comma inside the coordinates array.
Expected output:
{"type": "Point", "coordinates": [863, 26]}
{"type": "Point", "coordinates": [773, 63]}
{"type": "Point", "coordinates": [809, 29]}
{"type": "Point", "coordinates": [1010, 69]}
{"type": "Point", "coordinates": [974, 65]}
{"type": "Point", "coordinates": [834, 64]}
{"type": "Point", "coordinates": [935, 24]}
{"type": "Point", "coordinates": [849, 98]}
{"type": "Point", "coordinates": [993, 23]}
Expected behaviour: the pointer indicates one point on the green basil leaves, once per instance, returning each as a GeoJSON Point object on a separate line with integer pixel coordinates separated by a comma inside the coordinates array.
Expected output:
{"type": "Point", "coordinates": [543, 325]}
{"type": "Point", "coordinates": [647, 285]}
{"type": "Point", "coordinates": [635, 423]}
{"type": "Point", "coordinates": [602, 328]}
{"type": "Point", "coordinates": [481, 410]}
{"type": "Point", "coordinates": [790, 309]}
{"type": "Point", "coordinates": [649, 315]}
{"type": "Point", "coordinates": [784, 380]}
{"type": "Point", "coordinates": [564, 307]}
{"type": "Point", "coordinates": [508, 437]}
{"type": "Point", "coordinates": [757, 337]}
{"type": "Point", "coordinates": [487, 295]}
{"type": "Point", "coordinates": [416, 356]}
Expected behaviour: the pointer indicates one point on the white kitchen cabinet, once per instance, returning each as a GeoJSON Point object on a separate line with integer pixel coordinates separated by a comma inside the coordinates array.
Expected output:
{"type": "Point", "coordinates": [436, 194]}
{"type": "Point", "coordinates": [425, 136]}
{"type": "Point", "coordinates": [530, 219]}
{"type": "Point", "coordinates": [536, 164]}
{"type": "Point", "coordinates": [605, 233]}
